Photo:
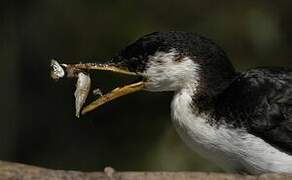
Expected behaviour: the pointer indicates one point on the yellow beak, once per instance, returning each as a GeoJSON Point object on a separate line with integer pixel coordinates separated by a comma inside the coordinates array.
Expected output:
{"type": "Point", "coordinates": [116, 93]}
{"type": "Point", "coordinates": [100, 67]}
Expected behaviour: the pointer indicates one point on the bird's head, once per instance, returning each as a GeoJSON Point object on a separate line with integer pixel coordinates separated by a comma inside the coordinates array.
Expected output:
{"type": "Point", "coordinates": [171, 61]}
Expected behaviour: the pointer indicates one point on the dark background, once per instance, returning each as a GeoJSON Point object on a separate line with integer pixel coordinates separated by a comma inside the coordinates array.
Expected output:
{"type": "Point", "coordinates": [37, 122]}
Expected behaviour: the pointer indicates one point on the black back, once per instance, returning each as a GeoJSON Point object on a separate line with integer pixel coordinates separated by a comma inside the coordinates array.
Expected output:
{"type": "Point", "coordinates": [260, 100]}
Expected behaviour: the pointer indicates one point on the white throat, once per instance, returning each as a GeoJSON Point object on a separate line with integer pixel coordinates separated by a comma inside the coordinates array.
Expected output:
{"type": "Point", "coordinates": [164, 73]}
{"type": "Point", "coordinates": [234, 150]}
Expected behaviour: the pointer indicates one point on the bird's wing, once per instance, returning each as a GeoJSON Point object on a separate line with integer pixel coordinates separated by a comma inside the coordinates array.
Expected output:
{"type": "Point", "coordinates": [260, 100]}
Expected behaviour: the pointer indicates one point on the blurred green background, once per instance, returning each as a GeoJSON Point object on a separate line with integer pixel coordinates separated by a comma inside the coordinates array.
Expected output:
{"type": "Point", "coordinates": [37, 122]}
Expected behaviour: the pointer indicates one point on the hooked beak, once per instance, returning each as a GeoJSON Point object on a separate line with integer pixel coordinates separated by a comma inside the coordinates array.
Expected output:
{"type": "Point", "coordinates": [117, 92]}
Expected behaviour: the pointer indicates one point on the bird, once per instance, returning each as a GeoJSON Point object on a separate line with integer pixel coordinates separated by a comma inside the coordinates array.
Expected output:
{"type": "Point", "coordinates": [241, 121]}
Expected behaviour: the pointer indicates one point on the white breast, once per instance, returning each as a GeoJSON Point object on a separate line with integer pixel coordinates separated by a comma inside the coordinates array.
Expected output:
{"type": "Point", "coordinates": [232, 149]}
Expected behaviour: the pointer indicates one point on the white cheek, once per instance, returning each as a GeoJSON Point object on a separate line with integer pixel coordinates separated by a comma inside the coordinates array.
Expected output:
{"type": "Point", "coordinates": [164, 74]}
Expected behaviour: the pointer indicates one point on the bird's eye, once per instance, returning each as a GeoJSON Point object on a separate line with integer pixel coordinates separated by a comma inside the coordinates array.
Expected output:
{"type": "Point", "coordinates": [159, 61]}
{"type": "Point", "coordinates": [178, 58]}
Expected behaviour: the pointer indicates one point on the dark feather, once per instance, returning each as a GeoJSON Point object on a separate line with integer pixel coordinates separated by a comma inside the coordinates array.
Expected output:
{"type": "Point", "coordinates": [260, 100]}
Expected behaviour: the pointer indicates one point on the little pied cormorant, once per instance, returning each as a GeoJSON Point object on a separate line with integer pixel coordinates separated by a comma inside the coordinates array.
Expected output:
{"type": "Point", "coordinates": [240, 120]}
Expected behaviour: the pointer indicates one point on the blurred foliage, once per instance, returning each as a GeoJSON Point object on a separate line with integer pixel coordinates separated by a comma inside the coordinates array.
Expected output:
{"type": "Point", "coordinates": [132, 133]}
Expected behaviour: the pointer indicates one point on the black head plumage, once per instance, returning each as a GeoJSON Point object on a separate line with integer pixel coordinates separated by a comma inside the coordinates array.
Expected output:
{"type": "Point", "coordinates": [135, 55]}
{"type": "Point", "coordinates": [216, 71]}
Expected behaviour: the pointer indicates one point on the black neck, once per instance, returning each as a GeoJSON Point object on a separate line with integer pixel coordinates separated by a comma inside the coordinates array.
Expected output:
{"type": "Point", "coordinates": [215, 76]}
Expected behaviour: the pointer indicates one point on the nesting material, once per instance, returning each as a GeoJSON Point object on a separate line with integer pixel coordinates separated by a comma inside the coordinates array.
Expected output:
{"type": "Point", "coordinates": [57, 71]}
{"type": "Point", "coordinates": [82, 90]}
